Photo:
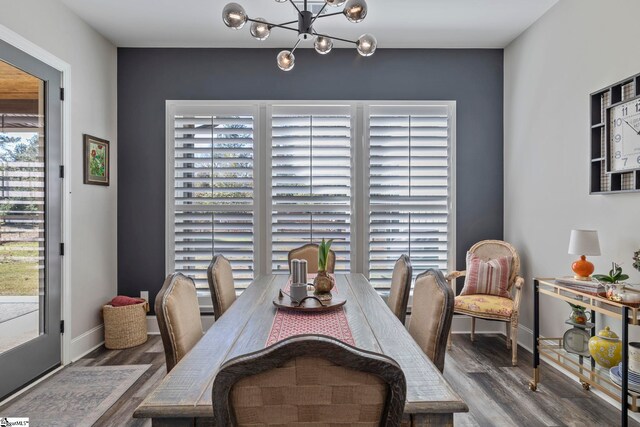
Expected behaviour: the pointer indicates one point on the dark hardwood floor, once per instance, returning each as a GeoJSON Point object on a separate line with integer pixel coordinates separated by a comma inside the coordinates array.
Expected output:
{"type": "Point", "coordinates": [481, 372]}
{"type": "Point", "coordinates": [498, 395]}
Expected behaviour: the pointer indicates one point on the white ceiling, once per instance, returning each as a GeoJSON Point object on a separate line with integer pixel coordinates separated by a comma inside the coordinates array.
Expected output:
{"type": "Point", "coordinates": [395, 23]}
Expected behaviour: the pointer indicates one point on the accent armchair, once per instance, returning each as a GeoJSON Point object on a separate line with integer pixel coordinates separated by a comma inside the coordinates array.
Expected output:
{"type": "Point", "coordinates": [493, 307]}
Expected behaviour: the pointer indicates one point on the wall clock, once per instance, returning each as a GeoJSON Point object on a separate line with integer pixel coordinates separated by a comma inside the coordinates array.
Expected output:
{"type": "Point", "coordinates": [614, 126]}
{"type": "Point", "coordinates": [623, 139]}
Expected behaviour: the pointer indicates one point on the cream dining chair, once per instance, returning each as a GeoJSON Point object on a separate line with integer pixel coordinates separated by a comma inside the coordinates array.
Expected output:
{"type": "Point", "coordinates": [400, 287]}
{"type": "Point", "coordinates": [492, 307]}
{"type": "Point", "coordinates": [431, 315]}
{"type": "Point", "coordinates": [178, 315]}
{"type": "Point", "coordinates": [309, 252]}
{"type": "Point", "coordinates": [221, 285]}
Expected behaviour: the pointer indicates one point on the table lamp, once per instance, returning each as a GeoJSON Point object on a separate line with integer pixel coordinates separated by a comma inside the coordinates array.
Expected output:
{"type": "Point", "coordinates": [583, 242]}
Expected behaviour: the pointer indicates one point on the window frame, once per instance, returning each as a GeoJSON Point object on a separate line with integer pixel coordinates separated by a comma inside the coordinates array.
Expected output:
{"type": "Point", "coordinates": [262, 111]}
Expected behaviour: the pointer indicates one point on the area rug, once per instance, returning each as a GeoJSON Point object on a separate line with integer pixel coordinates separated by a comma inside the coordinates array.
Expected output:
{"type": "Point", "coordinates": [76, 396]}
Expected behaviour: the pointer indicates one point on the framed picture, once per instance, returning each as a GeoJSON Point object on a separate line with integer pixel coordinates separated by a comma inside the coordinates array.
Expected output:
{"type": "Point", "coordinates": [96, 160]}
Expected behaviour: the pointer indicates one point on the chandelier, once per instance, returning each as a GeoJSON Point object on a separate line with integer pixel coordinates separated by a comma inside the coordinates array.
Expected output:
{"type": "Point", "coordinates": [234, 17]}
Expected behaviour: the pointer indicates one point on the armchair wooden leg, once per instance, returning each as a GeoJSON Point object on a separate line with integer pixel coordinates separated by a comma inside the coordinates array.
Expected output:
{"type": "Point", "coordinates": [514, 344]}
{"type": "Point", "coordinates": [473, 329]}
{"type": "Point", "coordinates": [508, 335]}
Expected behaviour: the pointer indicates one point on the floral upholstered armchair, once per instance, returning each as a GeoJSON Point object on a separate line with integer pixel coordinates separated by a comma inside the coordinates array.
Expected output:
{"type": "Point", "coordinates": [493, 288]}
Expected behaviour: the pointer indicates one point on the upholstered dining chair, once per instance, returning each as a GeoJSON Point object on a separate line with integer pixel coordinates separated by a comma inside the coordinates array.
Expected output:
{"type": "Point", "coordinates": [431, 315]}
{"type": "Point", "coordinates": [400, 287]}
{"type": "Point", "coordinates": [309, 252]}
{"type": "Point", "coordinates": [178, 314]}
{"type": "Point", "coordinates": [358, 387]}
{"type": "Point", "coordinates": [221, 285]}
{"type": "Point", "coordinates": [493, 307]}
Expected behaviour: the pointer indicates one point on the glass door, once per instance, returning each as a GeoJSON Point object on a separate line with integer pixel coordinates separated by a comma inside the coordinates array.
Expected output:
{"type": "Point", "coordinates": [30, 219]}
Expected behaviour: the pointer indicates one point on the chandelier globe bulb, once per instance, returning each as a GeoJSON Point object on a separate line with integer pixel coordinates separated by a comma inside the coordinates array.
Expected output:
{"type": "Point", "coordinates": [286, 60]}
{"type": "Point", "coordinates": [366, 44]}
{"type": "Point", "coordinates": [355, 10]}
{"type": "Point", "coordinates": [234, 16]}
{"type": "Point", "coordinates": [323, 45]}
{"type": "Point", "coordinates": [259, 30]}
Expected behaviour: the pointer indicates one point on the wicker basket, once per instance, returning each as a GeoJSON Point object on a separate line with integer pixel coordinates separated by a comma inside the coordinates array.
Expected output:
{"type": "Point", "coordinates": [125, 326]}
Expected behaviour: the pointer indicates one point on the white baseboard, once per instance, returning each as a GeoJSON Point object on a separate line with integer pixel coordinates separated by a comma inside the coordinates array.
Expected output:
{"type": "Point", "coordinates": [462, 325]}
{"type": "Point", "coordinates": [525, 337]}
{"type": "Point", "coordinates": [87, 342]}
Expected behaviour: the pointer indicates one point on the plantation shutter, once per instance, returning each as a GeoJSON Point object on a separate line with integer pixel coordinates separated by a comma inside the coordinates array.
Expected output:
{"type": "Point", "coordinates": [311, 180]}
{"type": "Point", "coordinates": [213, 193]}
{"type": "Point", "coordinates": [409, 165]}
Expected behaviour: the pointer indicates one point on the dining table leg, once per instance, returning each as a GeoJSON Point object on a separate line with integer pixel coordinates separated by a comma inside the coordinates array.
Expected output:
{"type": "Point", "coordinates": [424, 420]}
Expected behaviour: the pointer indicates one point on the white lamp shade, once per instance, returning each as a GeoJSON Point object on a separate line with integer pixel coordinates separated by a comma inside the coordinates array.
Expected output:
{"type": "Point", "coordinates": [584, 242]}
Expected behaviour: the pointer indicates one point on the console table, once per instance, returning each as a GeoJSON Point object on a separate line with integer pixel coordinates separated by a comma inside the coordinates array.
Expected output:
{"type": "Point", "coordinates": [590, 375]}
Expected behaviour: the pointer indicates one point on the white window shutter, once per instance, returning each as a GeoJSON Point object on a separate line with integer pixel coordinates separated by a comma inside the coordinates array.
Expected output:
{"type": "Point", "coordinates": [311, 181]}
{"type": "Point", "coordinates": [408, 188]}
{"type": "Point", "coordinates": [214, 194]}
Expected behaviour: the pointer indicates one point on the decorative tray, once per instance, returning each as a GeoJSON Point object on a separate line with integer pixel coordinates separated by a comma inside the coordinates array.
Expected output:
{"type": "Point", "coordinates": [630, 304]}
{"type": "Point", "coordinates": [309, 303]}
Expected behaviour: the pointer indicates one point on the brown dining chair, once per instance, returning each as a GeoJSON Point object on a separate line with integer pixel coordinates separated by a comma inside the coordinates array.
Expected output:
{"type": "Point", "coordinates": [400, 287]}
{"type": "Point", "coordinates": [309, 380]}
{"type": "Point", "coordinates": [223, 290]}
{"type": "Point", "coordinates": [431, 315]}
{"type": "Point", "coordinates": [178, 314]}
{"type": "Point", "coordinates": [309, 252]}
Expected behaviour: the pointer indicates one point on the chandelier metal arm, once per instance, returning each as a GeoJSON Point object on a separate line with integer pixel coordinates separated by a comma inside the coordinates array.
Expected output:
{"type": "Point", "coordinates": [288, 23]}
{"type": "Point", "coordinates": [294, 5]}
{"type": "Point", "coordinates": [273, 25]}
{"type": "Point", "coordinates": [326, 15]}
{"type": "Point", "coordinates": [295, 46]}
{"type": "Point", "coordinates": [335, 38]}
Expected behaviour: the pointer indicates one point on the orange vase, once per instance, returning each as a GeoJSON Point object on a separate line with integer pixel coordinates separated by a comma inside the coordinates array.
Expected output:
{"type": "Point", "coordinates": [582, 268]}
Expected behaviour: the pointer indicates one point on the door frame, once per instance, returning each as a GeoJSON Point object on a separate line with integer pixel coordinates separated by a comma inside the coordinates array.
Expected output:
{"type": "Point", "coordinates": [19, 42]}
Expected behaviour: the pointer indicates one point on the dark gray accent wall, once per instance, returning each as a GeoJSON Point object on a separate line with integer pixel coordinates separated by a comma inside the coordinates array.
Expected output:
{"type": "Point", "coordinates": [149, 77]}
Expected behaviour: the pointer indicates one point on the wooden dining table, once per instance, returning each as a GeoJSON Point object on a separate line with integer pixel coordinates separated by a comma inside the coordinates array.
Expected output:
{"type": "Point", "coordinates": [183, 398]}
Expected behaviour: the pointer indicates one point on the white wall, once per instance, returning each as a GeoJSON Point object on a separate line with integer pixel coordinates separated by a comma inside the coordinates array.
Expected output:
{"type": "Point", "coordinates": [93, 216]}
{"type": "Point", "coordinates": [578, 47]}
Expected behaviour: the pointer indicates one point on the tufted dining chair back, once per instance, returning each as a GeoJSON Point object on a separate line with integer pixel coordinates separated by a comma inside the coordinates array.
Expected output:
{"type": "Point", "coordinates": [178, 315]}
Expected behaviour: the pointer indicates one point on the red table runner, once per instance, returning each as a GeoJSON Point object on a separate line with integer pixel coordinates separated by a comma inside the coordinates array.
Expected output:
{"type": "Point", "coordinates": [287, 323]}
